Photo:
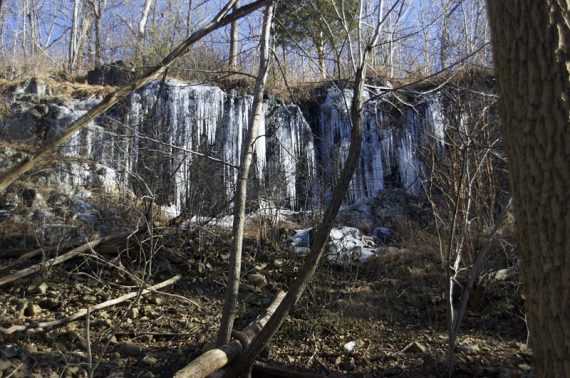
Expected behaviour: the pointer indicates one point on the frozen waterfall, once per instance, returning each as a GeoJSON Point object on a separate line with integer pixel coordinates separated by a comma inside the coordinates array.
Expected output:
{"type": "Point", "coordinates": [181, 144]}
{"type": "Point", "coordinates": [391, 140]}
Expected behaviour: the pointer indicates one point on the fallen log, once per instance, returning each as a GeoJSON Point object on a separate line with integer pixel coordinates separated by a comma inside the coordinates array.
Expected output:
{"type": "Point", "coordinates": [57, 260]}
{"type": "Point", "coordinates": [48, 251]}
{"type": "Point", "coordinates": [217, 358]}
{"type": "Point", "coordinates": [81, 313]}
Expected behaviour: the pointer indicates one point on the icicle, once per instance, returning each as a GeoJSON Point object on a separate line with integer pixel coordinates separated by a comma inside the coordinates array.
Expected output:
{"type": "Point", "coordinates": [334, 127]}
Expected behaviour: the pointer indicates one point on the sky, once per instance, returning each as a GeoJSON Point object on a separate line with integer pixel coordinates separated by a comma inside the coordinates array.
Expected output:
{"type": "Point", "coordinates": [421, 22]}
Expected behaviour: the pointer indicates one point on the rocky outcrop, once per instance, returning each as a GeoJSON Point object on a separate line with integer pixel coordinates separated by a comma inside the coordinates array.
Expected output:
{"type": "Point", "coordinates": [117, 73]}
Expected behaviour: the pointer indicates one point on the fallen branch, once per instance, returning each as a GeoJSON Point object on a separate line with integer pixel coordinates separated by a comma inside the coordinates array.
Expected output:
{"type": "Point", "coordinates": [13, 253]}
{"type": "Point", "coordinates": [217, 358]}
{"type": "Point", "coordinates": [81, 313]}
{"type": "Point", "coordinates": [48, 252]}
{"type": "Point", "coordinates": [57, 260]}
{"type": "Point", "coordinates": [111, 245]}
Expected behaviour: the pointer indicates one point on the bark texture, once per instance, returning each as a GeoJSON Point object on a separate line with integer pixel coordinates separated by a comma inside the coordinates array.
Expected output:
{"type": "Point", "coordinates": [530, 42]}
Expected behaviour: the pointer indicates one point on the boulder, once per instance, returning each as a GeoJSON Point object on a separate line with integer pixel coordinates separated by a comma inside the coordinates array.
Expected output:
{"type": "Point", "coordinates": [302, 238]}
{"type": "Point", "coordinates": [118, 74]}
{"type": "Point", "coordinates": [382, 234]}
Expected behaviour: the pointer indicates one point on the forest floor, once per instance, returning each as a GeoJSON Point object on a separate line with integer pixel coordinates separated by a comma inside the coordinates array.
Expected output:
{"type": "Point", "coordinates": [383, 318]}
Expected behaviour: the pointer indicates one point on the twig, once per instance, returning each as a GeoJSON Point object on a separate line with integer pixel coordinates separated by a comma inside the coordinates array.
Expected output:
{"type": "Point", "coordinates": [15, 370]}
{"type": "Point", "coordinates": [181, 297]}
{"type": "Point", "coordinates": [88, 341]}
{"type": "Point", "coordinates": [81, 313]}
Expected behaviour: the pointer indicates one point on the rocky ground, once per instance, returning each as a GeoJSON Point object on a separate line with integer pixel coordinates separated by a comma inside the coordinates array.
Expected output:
{"type": "Point", "coordinates": [361, 316]}
{"type": "Point", "coordinates": [385, 317]}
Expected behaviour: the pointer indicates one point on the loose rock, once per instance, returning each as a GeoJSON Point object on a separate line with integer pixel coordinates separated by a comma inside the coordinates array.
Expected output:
{"type": "Point", "coordinates": [156, 300]}
{"type": "Point", "coordinates": [257, 279]}
{"type": "Point", "coordinates": [32, 309]}
{"type": "Point", "coordinates": [49, 303]}
{"type": "Point", "coordinates": [39, 289]}
{"type": "Point", "coordinates": [128, 349]}
{"type": "Point", "coordinates": [133, 313]}
{"type": "Point", "coordinates": [470, 349]}
{"type": "Point", "coordinates": [149, 360]}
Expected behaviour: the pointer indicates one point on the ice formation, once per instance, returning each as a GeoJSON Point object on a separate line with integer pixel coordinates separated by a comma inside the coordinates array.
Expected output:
{"type": "Point", "coordinates": [181, 144]}
{"type": "Point", "coordinates": [390, 142]}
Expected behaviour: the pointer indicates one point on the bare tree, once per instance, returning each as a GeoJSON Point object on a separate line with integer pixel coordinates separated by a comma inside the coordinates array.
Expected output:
{"type": "Point", "coordinates": [464, 187]}
{"type": "Point", "coordinates": [73, 36]}
{"type": "Point", "coordinates": [141, 31]}
{"type": "Point", "coordinates": [97, 9]}
{"type": "Point", "coordinates": [362, 52]}
{"type": "Point", "coordinates": [230, 304]}
{"type": "Point", "coordinates": [189, 19]}
{"type": "Point", "coordinates": [234, 35]}
{"type": "Point", "coordinates": [81, 22]}
{"type": "Point", "coordinates": [30, 9]}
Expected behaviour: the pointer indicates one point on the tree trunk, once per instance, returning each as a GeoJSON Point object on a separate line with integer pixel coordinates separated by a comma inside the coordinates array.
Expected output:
{"type": "Point", "coordinates": [73, 36]}
{"type": "Point", "coordinates": [321, 55]}
{"type": "Point", "coordinates": [220, 20]}
{"type": "Point", "coordinates": [230, 304]}
{"type": "Point", "coordinates": [98, 42]}
{"type": "Point", "coordinates": [189, 19]}
{"type": "Point", "coordinates": [444, 37]}
{"type": "Point", "coordinates": [142, 32]}
{"type": "Point", "coordinates": [530, 43]}
{"type": "Point", "coordinates": [234, 35]}
{"type": "Point", "coordinates": [24, 27]}
{"type": "Point", "coordinates": [32, 21]}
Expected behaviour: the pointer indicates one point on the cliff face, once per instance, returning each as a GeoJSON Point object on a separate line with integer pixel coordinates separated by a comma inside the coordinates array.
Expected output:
{"type": "Point", "coordinates": [181, 144]}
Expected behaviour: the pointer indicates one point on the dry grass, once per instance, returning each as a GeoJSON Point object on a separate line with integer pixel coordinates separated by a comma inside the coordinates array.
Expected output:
{"type": "Point", "coordinates": [60, 88]}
